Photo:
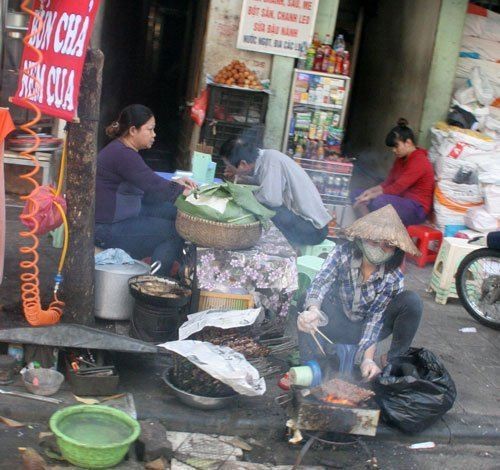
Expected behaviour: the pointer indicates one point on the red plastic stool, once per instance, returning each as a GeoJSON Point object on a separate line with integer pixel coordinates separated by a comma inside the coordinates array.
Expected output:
{"type": "Point", "coordinates": [424, 235]}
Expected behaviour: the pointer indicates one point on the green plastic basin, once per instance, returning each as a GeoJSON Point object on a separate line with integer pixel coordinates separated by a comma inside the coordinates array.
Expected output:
{"type": "Point", "coordinates": [94, 436]}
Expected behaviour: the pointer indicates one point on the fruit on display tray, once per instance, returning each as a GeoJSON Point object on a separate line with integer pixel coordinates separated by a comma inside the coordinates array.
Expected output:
{"type": "Point", "coordinates": [238, 74]}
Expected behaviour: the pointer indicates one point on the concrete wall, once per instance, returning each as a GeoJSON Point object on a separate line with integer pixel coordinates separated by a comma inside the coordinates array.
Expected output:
{"type": "Point", "coordinates": [222, 33]}
{"type": "Point", "coordinates": [443, 67]}
{"type": "Point", "coordinates": [391, 77]}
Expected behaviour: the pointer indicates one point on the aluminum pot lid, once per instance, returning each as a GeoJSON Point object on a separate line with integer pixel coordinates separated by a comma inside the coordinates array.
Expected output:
{"type": "Point", "coordinates": [129, 269]}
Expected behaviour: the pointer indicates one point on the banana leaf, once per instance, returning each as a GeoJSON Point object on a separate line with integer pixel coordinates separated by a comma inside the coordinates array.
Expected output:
{"type": "Point", "coordinates": [242, 207]}
{"type": "Point", "coordinates": [243, 196]}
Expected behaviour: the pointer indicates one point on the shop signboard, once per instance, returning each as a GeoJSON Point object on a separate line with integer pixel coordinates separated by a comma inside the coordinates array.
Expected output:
{"type": "Point", "coordinates": [61, 32]}
{"type": "Point", "coordinates": [277, 27]}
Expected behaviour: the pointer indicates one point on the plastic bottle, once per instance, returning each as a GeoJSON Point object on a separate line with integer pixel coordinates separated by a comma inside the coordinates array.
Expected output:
{"type": "Point", "coordinates": [346, 64]}
{"type": "Point", "coordinates": [318, 59]}
{"type": "Point", "coordinates": [339, 44]}
{"type": "Point", "coordinates": [299, 152]}
{"type": "Point", "coordinates": [327, 50]}
{"type": "Point", "coordinates": [316, 42]}
{"type": "Point", "coordinates": [332, 61]}
{"type": "Point", "coordinates": [17, 352]}
{"type": "Point", "coordinates": [339, 62]}
{"type": "Point", "coordinates": [301, 64]}
{"type": "Point", "coordinates": [310, 55]}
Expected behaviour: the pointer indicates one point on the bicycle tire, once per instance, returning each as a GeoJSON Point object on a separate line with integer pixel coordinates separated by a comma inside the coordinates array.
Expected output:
{"type": "Point", "coordinates": [462, 295]}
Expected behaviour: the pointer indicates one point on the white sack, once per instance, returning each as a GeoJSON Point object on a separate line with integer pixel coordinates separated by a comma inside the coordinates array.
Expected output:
{"type": "Point", "coordinates": [445, 216]}
{"type": "Point", "coordinates": [222, 363]}
{"type": "Point", "coordinates": [477, 218]}
{"type": "Point", "coordinates": [486, 27]}
{"type": "Point", "coordinates": [487, 50]}
{"type": "Point", "coordinates": [491, 71]}
{"type": "Point", "coordinates": [465, 96]}
{"type": "Point", "coordinates": [482, 87]}
{"type": "Point", "coordinates": [490, 188]}
{"type": "Point", "coordinates": [460, 194]}
{"type": "Point", "coordinates": [447, 168]}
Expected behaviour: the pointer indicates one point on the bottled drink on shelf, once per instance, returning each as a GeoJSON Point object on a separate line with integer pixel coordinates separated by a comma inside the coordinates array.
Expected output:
{"type": "Point", "coordinates": [301, 64]}
{"type": "Point", "coordinates": [327, 50]}
{"type": "Point", "coordinates": [332, 61]}
{"type": "Point", "coordinates": [339, 44]}
{"type": "Point", "coordinates": [339, 61]}
{"type": "Point", "coordinates": [345, 187]}
{"type": "Point", "coordinates": [310, 55]}
{"type": "Point", "coordinates": [338, 185]}
{"type": "Point", "coordinates": [346, 64]}
{"type": "Point", "coordinates": [299, 152]}
{"type": "Point", "coordinates": [321, 151]}
{"type": "Point", "coordinates": [318, 59]}
{"type": "Point", "coordinates": [316, 42]}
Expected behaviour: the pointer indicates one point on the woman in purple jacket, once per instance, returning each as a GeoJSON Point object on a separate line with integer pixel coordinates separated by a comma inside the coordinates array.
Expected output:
{"type": "Point", "coordinates": [134, 206]}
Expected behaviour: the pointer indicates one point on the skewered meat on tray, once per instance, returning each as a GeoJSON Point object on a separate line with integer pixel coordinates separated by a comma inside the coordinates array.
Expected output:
{"type": "Point", "coordinates": [342, 391]}
{"type": "Point", "coordinates": [244, 345]}
{"type": "Point", "coordinates": [234, 340]}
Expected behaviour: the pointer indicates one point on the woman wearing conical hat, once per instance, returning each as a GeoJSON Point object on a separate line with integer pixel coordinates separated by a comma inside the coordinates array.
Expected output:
{"type": "Point", "coordinates": [358, 298]}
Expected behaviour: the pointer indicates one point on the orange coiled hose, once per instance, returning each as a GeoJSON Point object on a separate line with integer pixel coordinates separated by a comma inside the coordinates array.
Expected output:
{"type": "Point", "coordinates": [30, 285]}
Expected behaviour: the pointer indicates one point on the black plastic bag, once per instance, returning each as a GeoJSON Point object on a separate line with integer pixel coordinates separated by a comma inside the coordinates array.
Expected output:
{"type": "Point", "coordinates": [414, 390]}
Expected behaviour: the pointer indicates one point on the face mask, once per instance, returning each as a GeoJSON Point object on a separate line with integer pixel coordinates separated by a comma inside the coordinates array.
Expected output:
{"type": "Point", "coordinates": [374, 254]}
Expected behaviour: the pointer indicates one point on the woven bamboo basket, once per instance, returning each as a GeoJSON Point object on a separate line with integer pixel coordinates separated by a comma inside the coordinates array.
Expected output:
{"type": "Point", "coordinates": [219, 301]}
{"type": "Point", "coordinates": [208, 234]}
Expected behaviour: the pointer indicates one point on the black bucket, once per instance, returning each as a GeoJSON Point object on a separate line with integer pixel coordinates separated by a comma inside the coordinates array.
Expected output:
{"type": "Point", "coordinates": [156, 324]}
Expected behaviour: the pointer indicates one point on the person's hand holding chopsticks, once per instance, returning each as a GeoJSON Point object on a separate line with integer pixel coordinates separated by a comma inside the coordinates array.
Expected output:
{"type": "Point", "coordinates": [309, 320]}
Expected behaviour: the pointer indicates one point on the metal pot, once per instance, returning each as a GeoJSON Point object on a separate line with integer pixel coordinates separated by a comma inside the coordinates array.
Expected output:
{"type": "Point", "coordinates": [198, 401]}
{"type": "Point", "coordinates": [112, 297]}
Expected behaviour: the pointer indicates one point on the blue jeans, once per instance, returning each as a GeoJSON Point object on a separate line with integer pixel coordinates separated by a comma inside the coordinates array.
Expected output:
{"type": "Point", "coordinates": [297, 230]}
{"type": "Point", "coordinates": [152, 233]}
{"type": "Point", "coordinates": [401, 319]}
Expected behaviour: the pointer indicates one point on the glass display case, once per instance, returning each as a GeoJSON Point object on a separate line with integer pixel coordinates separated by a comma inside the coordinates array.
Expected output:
{"type": "Point", "coordinates": [314, 132]}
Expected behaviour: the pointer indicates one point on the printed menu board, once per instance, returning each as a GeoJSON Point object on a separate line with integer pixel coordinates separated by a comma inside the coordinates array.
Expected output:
{"type": "Point", "coordinates": [280, 27]}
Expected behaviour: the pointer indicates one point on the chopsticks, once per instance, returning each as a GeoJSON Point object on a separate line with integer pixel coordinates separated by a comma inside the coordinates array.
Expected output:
{"type": "Point", "coordinates": [318, 343]}
{"type": "Point", "coordinates": [317, 330]}
{"type": "Point", "coordinates": [313, 334]}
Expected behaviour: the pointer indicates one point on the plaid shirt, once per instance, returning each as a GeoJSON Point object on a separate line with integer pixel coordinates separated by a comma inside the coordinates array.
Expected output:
{"type": "Point", "coordinates": [342, 270]}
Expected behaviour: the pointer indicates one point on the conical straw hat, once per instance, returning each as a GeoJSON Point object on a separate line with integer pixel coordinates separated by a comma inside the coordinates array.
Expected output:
{"type": "Point", "coordinates": [383, 225]}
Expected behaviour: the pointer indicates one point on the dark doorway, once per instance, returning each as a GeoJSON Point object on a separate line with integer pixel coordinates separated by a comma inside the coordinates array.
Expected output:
{"type": "Point", "coordinates": [148, 47]}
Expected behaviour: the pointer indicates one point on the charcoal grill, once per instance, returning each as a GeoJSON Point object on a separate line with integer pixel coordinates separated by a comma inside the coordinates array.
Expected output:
{"type": "Point", "coordinates": [308, 413]}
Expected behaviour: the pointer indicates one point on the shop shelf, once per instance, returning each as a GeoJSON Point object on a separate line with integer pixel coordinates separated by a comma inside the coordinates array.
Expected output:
{"type": "Point", "coordinates": [298, 104]}
{"type": "Point", "coordinates": [328, 166]}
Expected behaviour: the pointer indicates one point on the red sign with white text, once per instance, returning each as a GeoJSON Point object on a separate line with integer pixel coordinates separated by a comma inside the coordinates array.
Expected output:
{"type": "Point", "coordinates": [62, 39]}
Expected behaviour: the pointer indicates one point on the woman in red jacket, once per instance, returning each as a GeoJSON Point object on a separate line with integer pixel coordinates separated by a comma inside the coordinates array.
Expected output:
{"type": "Point", "coordinates": [409, 187]}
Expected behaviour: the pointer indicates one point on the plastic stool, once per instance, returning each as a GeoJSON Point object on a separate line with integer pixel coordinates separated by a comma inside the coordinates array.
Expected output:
{"type": "Point", "coordinates": [424, 236]}
{"type": "Point", "coordinates": [317, 250]}
{"type": "Point", "coordinates": [307, 267]}
{"type": "Point", "coordinates": [452, 252]}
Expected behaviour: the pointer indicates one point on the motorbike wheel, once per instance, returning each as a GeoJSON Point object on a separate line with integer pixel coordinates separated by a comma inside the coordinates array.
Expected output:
{"type": "Point", "coordinates": [478, 275]}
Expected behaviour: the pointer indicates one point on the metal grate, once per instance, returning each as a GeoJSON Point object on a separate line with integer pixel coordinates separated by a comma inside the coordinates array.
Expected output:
{"type": "Point", "coordinates": [237, 106]}
{"type": "Point", "coordinates": [216, 133]}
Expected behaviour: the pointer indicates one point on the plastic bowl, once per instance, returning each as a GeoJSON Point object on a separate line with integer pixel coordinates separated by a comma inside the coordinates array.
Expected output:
{"type": "Point", "coordinates": [49, 381]}
{"type": "Point", "coordinates": [94, 436]}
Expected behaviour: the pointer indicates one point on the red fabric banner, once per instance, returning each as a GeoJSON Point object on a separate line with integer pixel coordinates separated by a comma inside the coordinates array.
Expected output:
{"type": "Point", "coordinates": [63, 40]}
